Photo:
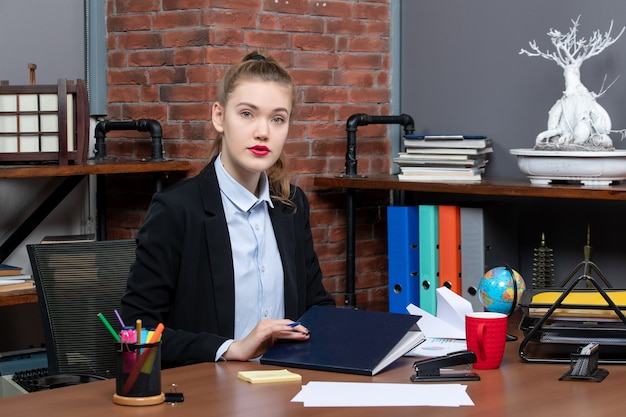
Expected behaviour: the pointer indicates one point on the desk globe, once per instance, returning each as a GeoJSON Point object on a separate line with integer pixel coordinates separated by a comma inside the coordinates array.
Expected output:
{"type": "Point", "coordinates": [496, 289]}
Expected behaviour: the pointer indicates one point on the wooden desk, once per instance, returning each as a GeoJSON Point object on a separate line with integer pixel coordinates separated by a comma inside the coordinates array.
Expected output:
{"type": "Point", "coordinates": [9, 298]}
{"type": "Point", "coordinates": [515, 389]}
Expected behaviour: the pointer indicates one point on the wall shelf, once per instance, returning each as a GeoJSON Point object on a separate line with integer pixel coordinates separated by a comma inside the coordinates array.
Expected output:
{"type": "Point", "coordinates": [487, 187]}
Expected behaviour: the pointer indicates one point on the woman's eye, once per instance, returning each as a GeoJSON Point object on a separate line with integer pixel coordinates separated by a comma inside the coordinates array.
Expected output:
{"type": "Point", "coordinates": [246, 114]}
{"type": "Point", "coordinates": [278, 120]}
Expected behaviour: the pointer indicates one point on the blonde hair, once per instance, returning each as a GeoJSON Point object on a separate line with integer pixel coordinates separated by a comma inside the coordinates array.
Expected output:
{"type": "Point", "coordinates": [255, 66]}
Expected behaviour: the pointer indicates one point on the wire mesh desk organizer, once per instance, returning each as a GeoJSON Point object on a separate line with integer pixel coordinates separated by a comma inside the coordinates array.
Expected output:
{"type": "Point", "coordinates": [558, 320]}
{"type": "Point", "coordinates": [584, 364]}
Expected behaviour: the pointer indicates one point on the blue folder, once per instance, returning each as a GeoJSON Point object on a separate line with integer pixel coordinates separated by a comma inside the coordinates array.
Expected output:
{"type": "Point", "coordinates": [346, 340]}
{"type": "Point", "coordinates": [403, 257]}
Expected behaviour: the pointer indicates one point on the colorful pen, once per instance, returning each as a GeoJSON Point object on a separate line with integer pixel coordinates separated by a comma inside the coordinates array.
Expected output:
{"type": "Point", "coordinates": [294, 324]}
{"type": "Point", "coordinates": [109, 327]}
{"type": "Point", "coordinates": [119, 318]}
{"type": "Point", "coordinates": [138, 330]}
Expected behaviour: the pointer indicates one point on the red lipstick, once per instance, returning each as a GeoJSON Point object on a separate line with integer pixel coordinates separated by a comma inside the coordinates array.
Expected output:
{"type": "Point", "coordinates": [259, 150]}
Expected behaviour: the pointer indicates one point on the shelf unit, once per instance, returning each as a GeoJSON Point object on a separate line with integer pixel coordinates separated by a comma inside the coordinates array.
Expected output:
{"type": "Point", "coordinates": [490, 188]}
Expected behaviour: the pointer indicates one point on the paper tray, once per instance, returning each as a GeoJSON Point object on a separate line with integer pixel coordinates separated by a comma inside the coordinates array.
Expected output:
{"type": "Point", "coordinates": [579, 304]}
{"type": "Point", "coordinates": [555, 320]}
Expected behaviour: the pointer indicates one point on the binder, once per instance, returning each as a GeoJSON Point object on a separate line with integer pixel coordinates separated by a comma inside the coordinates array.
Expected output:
{"type": "Point", "coordinates": [489, 238]}
{"type": "Point", "coordinates": [428, 257]}
{"type": "Point", "coordinates": [472, 253]}
{"type": "Point", "coordinates": [450, 248]}
{"type": "Point", "coordinates": [403, 257]}
{"type": "Point", "coordinates": [362, 342]}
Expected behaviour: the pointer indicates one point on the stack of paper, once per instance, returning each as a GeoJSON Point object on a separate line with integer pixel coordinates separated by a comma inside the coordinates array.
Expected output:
{"type": "Point", "coordinates": [12, 278]}
{"type": "Point", "coordinates": [363, 394]}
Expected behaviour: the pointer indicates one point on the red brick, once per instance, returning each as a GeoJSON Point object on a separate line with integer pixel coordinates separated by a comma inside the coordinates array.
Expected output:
{"type": "Point", "coordinates": [231, 19]}
{"type": "Point", "coordinates": [313, 42]}
{"type": "Point", "coordinates": [266, 40]}
{"type": "Point", "coordinates": [189, 111]}
{"type": "Point", "coordinates": [184, 93]}
{"type": "Point", "coordinates": [299, 7]}
{"type": "Point", "coordinates": [332, 8]}
{"type": "Point", "coordinates": [309, 24]}
{"type": "Point", "coordinates": [128, 23]}
{"type": "Point", "coordinates": [140, 40]}
{"type": "Point", "coordinates": [177, 19]}
{"type": "Point", "coordinates": [151, 58]}
{"type": "Point", "coordinates": [184, 38]}
{"type": "Point", "coordinates": [137, 6]}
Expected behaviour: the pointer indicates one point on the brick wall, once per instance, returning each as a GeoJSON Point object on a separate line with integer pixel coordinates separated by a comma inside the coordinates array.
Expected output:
{"type": "Point", "coordinates": [165, 58]}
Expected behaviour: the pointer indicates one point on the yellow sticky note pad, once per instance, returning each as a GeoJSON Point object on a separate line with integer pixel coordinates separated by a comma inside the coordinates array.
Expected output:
{"type": "Point", "coordinates": [263, 377]}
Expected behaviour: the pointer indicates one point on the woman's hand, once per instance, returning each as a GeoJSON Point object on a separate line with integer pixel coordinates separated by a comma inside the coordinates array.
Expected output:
{"type": "Point", "coordinates": [262, 337]}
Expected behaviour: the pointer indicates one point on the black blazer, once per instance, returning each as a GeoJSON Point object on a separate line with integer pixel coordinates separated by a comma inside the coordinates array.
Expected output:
{"type": "Point", "coordinates": [183, 273]}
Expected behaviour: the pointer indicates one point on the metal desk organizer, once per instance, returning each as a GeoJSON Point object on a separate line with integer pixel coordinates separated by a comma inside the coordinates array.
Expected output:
{"type": "Point", "coordinates": [558, 320]}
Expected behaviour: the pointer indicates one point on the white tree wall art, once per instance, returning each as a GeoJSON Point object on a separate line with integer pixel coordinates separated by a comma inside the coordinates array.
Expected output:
{"type": "Point", "coordinates": [576, 122]}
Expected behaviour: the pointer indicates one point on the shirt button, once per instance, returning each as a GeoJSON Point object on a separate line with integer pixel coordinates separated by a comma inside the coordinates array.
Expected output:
{"type": "Point", "coordinates": [256, 227]}
{"type": "Point", "coordinates": [262, 269]}
{"type": "Point", "coordinates": [265, 313]}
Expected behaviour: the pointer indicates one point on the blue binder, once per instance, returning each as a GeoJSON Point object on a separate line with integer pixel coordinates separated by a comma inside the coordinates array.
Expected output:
{"type": "Point", "coordinates": [403, 257]}
{"type": "Point", "coordinates": [428, 257]}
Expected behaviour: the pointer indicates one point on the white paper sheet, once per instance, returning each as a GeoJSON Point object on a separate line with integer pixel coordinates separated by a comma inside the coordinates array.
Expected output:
{"type": "Point", "coordinates": [450, 320]}
{"type": "Point", "coordinates": [358, 394]}
{"type": "Point", "coordinates": [452, 308]}
{"type": "Point", "coordinates": [437, 346]}
{"type": "Point", "coordinates": [433, 326]}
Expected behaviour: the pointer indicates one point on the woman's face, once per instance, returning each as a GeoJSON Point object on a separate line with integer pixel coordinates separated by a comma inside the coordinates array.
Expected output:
{"type": "Point", "coordinates": [255, 124]}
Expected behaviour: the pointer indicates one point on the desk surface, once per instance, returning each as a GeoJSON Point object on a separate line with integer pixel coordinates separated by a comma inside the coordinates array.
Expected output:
{"type": "Point", "coordinates": [515, 389]}
{"type": "Point", "coordinates": [9, 298]}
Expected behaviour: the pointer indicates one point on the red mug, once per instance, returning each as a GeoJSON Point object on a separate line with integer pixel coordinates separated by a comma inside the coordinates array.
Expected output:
{"type": "Point", "coordinates": [485, 333]}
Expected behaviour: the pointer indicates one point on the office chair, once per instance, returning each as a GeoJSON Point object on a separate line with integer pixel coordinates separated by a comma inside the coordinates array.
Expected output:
{"type": "Point", "coordinates": [76, 281]}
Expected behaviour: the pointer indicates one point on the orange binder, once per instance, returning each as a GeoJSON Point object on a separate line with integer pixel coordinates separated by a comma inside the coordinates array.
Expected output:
{"type": "Point", "coordinates": [450, 248]}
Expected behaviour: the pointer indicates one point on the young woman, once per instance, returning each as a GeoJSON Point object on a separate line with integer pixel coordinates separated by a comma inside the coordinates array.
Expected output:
{"type": "Point", "coordinates": [225, 259]}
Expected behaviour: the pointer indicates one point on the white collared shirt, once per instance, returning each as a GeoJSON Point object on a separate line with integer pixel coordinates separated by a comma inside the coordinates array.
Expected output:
{"type": "Point", "coordinates": [259, 276]}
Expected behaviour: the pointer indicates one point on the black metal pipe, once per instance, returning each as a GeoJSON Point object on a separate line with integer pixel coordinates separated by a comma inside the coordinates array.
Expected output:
{"type": "Point", "coordinates": [141, 125]}
{"type": "Point", "coordinates": [361, 119]}
{"type": "Point", "coordinates": [352, 125]}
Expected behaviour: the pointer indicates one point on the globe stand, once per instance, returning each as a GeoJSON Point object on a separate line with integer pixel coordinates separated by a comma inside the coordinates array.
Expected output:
{"type": "Point", "coordinates": [510, 337]}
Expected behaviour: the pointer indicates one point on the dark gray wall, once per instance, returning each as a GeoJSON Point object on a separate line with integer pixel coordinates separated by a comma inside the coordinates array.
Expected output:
{"type": "Point", "coordinates": [49, 33]}
{"type": "Point", "coordinates": [461, 70]}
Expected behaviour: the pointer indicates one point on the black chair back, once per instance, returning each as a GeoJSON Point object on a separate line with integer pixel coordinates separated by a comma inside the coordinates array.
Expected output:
{"type": "Point", "coordinates": [76, 281]}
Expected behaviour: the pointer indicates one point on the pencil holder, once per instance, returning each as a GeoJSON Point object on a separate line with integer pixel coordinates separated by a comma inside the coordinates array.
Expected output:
{"type": "Point", "coordinates": [138, 374]}
{"type": "Point", "coordinates": [585, 367]}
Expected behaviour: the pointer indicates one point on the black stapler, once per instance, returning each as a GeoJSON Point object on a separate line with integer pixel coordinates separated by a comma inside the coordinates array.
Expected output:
{"type": "Point", "coordinates": [431, 369]}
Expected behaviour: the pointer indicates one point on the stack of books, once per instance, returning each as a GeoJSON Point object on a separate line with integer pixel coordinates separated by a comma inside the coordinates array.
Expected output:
{"type": "Point", "coordinates": [443, 157]}
{"type": "Point", "coordinates": [13, 278]}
